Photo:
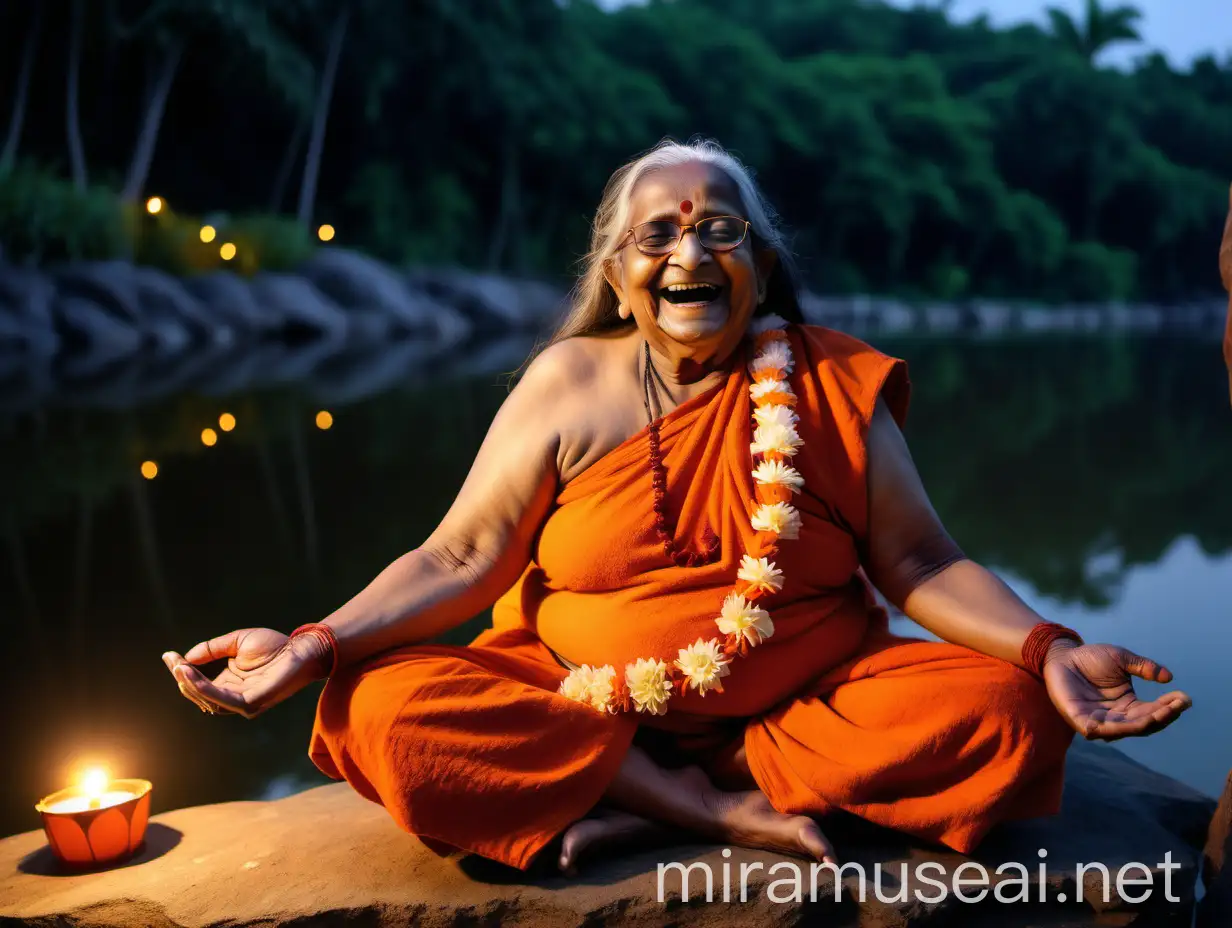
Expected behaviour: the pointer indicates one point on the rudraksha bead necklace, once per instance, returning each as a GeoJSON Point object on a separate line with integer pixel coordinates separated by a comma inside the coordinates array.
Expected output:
{"type": "Point", "coordinates": [687, 557]}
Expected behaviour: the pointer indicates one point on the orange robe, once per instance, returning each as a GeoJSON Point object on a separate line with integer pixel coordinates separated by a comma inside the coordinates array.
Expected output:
{"type": "Point", "coordinates": [470, 747]}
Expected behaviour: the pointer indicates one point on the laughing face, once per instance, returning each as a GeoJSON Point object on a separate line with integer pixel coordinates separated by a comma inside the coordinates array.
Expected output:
{"type": "Point", "coordinates": [692, 304]}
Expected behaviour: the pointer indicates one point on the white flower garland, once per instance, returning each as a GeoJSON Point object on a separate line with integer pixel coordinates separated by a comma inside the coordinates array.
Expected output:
{"type": "Point", "coordinates": [648, 683]}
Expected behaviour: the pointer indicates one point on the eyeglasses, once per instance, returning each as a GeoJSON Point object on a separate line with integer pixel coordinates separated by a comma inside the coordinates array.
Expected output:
{"type": "Point", "coordinates": [661, 236]}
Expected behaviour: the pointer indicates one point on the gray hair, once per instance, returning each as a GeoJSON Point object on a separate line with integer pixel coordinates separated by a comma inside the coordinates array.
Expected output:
{"type": "Point", "coordinates": [593, 301]}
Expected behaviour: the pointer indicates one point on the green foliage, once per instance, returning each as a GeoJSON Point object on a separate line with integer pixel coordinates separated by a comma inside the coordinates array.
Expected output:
{"type": "Point", "coordinates": [909, 153]}
{"type": "Point", "coordinates": [257, 36]}
{"type": "Point", "coordinates": [173, 242]}
{"type": "Point", "coordinates": [44, 218]}
{"type": "Point", "coordinates": [271, 243]}
{"type": "Point", "coordinates": [1095, 272]}
{"type": "Point", "coordinates": [1099, 28]}
{"type": "Point", "coordinates": [429, 223]}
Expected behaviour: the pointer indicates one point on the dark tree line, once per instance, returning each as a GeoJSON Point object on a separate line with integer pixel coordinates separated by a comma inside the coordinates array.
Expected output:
{"type": "Point", "coordinates": [910, 153]}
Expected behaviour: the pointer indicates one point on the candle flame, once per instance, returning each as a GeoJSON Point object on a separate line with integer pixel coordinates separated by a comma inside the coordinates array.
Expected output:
{"type": "Point", "coordinates": [94, 782]}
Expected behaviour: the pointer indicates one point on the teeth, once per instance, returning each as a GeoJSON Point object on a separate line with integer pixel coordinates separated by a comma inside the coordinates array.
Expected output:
{"type": "Point", "coordinates": [677, 288]}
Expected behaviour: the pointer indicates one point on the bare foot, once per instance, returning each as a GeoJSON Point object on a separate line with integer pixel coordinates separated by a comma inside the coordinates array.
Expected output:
{"type": "Point", "coordinates": [688, 801]}
{"type": "Point", "coordinates": [747, 819]}
{"type": "Point", "coordinates": [605, 829]}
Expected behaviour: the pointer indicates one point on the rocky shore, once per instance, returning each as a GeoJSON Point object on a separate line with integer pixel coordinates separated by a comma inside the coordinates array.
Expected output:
{"type": "Point", "coordinates": [328, 857]}
{"type": "Point", "coordinates": [110, 333]}
{"type": "Point", "coordinates": [1215, 911]}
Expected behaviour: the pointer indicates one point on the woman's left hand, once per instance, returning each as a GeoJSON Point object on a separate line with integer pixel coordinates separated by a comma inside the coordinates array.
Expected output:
{"type": "Point", "coordinates": [1091, 687]}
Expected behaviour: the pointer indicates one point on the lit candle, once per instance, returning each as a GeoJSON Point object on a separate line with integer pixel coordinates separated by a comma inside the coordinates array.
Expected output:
{"type": "Point", "coordinates": [98, 821]}
{"type": "Point", "coordinates": [101, 801]}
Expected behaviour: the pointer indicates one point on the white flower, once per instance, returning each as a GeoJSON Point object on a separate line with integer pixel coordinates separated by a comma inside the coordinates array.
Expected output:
{"type": "Point", "coordinates": [776, 473]}
{"type": "Point", "coordinates": [775, 355]}
{"type": "Point", "coordinates": [648, 685]}
{"type": "Point", "coordinates": [741, 617]}
{"type": "Point", "coordinates": [704, 665]}
{"type": "Point", "coordinates": [761, 324]}
{"type": "Point", "coordinates": [603, 688]}
{"type": "Point", "coordinates": [775, 414]}
{"type": "Point", "coordinates": [650, 682]}
{"type": "Point", "coordinates": [763, 387]}
{"type": "Point", "coordinates": [781, 518]}
{"type": "Point", "coordinates": [593, 686]}
{"type": "Point", "coordinates": [761, 573]}
{"type": "Point", "coordinates": [775, 437]}
{"type": "Point", "coordinates": [574, 686]}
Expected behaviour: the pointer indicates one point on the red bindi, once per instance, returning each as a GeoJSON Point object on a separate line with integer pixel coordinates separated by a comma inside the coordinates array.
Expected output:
{"type": "Point", "coordinates": [686, 206]}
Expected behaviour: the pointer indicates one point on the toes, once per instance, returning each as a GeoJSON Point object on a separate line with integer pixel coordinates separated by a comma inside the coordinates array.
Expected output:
{"type": "Point", "coordinates": [571, 847]}
{"type": "Point", "coordinates": [815, 842]}
{"type": "Point", "coordinates": [599, 831]}
{"type": "Point", "coordinates": [754, 822]}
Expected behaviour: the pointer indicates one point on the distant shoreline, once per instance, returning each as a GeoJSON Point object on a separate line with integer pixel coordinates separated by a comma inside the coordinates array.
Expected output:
{"type": "Point", "coordinates": [114, 332]}
{"type": "Point", "coordinates": [112, 309]}
{"type": "Point", "coordinates": [997, 317]}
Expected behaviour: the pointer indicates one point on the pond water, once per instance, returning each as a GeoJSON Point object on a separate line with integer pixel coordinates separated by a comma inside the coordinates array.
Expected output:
{"type": "Point", "coordinates": [1091, 472]}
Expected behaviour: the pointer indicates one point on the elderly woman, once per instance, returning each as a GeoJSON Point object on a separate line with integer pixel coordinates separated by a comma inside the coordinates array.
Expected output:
{"type": "Point", "coordinates": [677, 515]}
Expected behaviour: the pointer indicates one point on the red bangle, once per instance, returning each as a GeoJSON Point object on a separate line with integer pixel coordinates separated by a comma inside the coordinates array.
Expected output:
{"type": "Point", "coordinates": [324, 634]}
{"type": "Point", "coordinates": [1035, 648]}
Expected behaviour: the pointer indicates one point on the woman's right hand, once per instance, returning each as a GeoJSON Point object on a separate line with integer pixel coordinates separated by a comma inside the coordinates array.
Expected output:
{"type": "Point", "coordinates": [264, 667]}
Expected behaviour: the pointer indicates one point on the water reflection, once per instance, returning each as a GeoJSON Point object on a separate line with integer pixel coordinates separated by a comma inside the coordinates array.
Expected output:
{"type": "Point", "coordinates": [1089, 471]}
{"type": "Point", "coordinates": [1174, 610]}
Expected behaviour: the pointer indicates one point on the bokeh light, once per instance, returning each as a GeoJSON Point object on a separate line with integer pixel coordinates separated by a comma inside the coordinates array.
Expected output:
{"type": "Point", "coordinates": [227, 251]}
{"type": "Point", "coordinates": [154, 205]}
{"type": "Point", "coordinates": [149, 470]}
{"type": "Point", "coordinates": [208, 233]}
{"type": "Point", "coordinates": [209, 437]}
{"type": "Point", "coordinates": [326, 232]}
{"type": "Point", "coordinates": [226, 422]}
{"type": "Point", "coordinates": [324, 419]}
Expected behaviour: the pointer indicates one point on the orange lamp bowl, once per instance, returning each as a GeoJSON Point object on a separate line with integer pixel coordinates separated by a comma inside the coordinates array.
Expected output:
{"type": "Point", "coordinates": [83, 836]}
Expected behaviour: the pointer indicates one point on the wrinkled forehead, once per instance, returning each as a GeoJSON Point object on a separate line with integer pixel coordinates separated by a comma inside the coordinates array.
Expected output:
{"type": "Point", "coordinates": [708, 189]}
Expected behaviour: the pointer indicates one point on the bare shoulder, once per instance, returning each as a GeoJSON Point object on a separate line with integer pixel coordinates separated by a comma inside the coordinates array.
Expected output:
{"type": "Point", "coordinates": [585, 386]}
{"type": "Point", "coordinates": [571, 363]}
{"type": "Point", "coordinates": [583, 370]}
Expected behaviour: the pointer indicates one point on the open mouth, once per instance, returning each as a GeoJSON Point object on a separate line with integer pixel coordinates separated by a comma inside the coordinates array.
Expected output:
{"type": "Point", "coordinates": [691, 294]}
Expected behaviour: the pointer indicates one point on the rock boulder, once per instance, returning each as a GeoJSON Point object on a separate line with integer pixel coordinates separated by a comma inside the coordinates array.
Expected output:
{"type": "Point", "coordinates": [360, 283]}
{"type": "Point", "coordinates": [227, 298]}
{"type": "Point", "coordinates": [329, 857]}
{"type": "Point", "coordinates": [26, 322]}
{"type": "Point", "coordinates": [300, 305]}
{"type": "Point", "coordinates": [1216, 908]}
{"type": "Point", "coordinates": [491, 301]}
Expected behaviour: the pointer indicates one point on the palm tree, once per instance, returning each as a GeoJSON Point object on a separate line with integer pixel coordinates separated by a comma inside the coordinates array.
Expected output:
{"type": "Point", "coordinates": [22, 91]}
{"type": "Point", "coordinates": [72, 119]}
{"type": "Point", "coordinates": [325, 93]}
{"type": "Point", "coordinates": [1100, 28]}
